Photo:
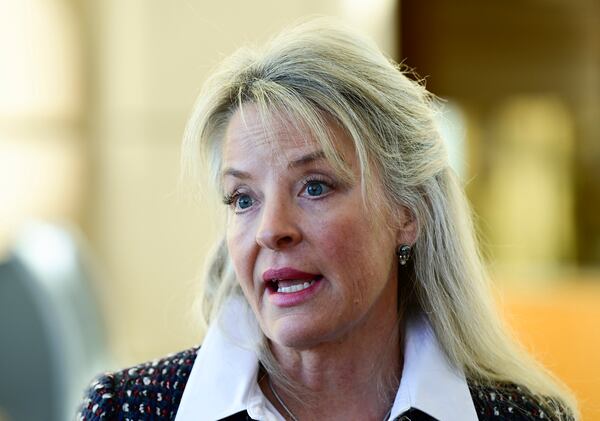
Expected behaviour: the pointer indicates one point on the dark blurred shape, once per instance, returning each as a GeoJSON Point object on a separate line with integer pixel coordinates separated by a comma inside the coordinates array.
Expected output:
{"type": "Point", "coordinates": [29, 388]}
{"type": "Point", "coordinates": [484, 55]}
{"type": "Point", "coordinates": [51, 336]}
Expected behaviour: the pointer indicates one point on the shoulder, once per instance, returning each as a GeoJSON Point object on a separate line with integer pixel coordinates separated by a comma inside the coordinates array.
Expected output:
{"type": "Point", "coordinates": [509, 401]}
{"type": "Point", "coordinates": [151, 390]}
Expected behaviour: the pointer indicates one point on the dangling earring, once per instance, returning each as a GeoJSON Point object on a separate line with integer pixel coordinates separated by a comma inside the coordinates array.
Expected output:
{"type": "Point", "coordinates": [403, 253]}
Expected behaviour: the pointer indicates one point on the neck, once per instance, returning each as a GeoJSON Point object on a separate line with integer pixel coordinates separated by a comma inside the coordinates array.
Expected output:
{"type": "Point", "coordinates": [354, 377]}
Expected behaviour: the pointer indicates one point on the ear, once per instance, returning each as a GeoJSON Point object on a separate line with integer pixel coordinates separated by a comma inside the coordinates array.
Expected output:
{"type": "Point", "coordinates": [408, 227]}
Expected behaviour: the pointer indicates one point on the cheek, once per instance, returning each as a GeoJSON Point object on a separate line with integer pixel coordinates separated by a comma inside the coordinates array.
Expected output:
{"type": "Point", "coordinates": [356, 253]}
{"type": "Point", "coordinates": [338, 240]}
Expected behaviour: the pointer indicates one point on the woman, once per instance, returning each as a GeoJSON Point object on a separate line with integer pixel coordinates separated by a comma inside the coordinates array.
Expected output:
{"type": "Point", "coordinates": [348, 284]}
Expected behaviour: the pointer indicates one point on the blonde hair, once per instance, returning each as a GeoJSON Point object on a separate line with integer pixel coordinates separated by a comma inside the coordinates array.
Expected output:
{"type": "Point", "coordinates": [317, 71]}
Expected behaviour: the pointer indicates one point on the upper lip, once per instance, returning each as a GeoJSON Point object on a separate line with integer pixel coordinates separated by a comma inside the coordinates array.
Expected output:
{"type": "Point", "coordinates": [286, 273]}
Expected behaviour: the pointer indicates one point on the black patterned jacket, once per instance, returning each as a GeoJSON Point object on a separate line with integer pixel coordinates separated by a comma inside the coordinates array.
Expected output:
{"type": "Point", "coordinates": [152, 391]}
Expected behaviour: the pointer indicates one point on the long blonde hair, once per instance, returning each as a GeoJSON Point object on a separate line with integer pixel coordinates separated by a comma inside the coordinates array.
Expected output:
{"type": "Point", "coordinates": [319, 70]}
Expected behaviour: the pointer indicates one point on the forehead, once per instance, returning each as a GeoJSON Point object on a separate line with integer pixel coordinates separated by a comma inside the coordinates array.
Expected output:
{"type": "Point", "coordinates": [249, 131]}
{"type": "Point", "coordinates": [251, 136]}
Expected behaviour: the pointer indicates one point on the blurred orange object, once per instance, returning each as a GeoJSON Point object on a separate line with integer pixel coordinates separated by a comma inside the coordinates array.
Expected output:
{"type": "Point", "coordinates": [560, 325]}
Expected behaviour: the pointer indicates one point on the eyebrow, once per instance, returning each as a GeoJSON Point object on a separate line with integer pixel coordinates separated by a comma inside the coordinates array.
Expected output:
{"type": "Point", "coordinates": [303, 160]}
{"type": "Point", "coordinates": [307, 159]}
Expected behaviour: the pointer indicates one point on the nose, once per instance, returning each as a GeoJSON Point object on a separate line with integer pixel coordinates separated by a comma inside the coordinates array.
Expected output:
{"type": "Point", "coordinates": [278, 228]}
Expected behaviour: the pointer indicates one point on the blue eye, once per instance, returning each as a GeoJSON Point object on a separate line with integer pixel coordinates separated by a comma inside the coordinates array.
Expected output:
{"type": "Point", "coordinates": [316, 188]}
{"type": "Point", "coordinates": [243, 201]}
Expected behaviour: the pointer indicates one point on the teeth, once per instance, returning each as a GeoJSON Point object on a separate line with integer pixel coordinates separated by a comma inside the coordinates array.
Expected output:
{"type": "Point", "coordinates": [294, 288]}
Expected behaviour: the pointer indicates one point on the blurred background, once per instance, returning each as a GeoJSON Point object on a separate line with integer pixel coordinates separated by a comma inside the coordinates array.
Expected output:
{"type": "Point", "coordinates": [100, 253]}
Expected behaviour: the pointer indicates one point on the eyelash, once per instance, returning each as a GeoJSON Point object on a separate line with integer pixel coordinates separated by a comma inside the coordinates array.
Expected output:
{"type": "Point", "coordinates": [231, 198]}
{"type": "Point", "coordinates": [314, 178]}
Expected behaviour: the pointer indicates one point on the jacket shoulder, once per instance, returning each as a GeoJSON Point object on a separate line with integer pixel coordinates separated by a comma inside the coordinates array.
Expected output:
{"type": "Point", "coordinates": [148, 391]}
{"type": "Point", "coordinates": [509, 401]}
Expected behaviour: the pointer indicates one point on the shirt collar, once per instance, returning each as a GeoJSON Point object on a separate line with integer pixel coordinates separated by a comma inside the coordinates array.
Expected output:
{"type": "Point", "coordinates": [226, 367]}
{"type": "Point", "coordinates": [223, 379]}
{"type": "Point", "coordinates": [429, 382]}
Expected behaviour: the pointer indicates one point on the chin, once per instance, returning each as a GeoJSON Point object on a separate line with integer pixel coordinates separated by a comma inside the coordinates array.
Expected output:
{"type": "Point", "coordinates": [299, 336]}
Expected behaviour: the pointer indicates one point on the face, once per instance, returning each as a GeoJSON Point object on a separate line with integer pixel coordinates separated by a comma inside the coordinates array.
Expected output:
{"type": "Point", "coordinates": [314, 264]}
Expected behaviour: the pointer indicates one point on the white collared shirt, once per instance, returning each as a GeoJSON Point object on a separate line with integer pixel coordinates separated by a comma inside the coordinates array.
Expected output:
{"type": "Point", "coordinates": [223, 380]}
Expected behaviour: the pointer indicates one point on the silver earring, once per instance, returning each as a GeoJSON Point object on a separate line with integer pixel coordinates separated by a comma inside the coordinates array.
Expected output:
{"type": "Point", "coordinates": [403, 253]}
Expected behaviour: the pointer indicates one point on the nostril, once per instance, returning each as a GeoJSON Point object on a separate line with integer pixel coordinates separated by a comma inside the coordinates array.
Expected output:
{"type": "Point", "coordinates": [287, 239]}
{"type": "Point", "coordinates": [277, 234]}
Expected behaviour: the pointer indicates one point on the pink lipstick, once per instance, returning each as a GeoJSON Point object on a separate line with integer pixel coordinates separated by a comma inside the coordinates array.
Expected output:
{"type": "Point", "coordinates": [288, 286]}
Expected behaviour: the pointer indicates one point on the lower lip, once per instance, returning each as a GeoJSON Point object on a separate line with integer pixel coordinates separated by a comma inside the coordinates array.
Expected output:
{"type": "Point", "coordinates": [291, 299]}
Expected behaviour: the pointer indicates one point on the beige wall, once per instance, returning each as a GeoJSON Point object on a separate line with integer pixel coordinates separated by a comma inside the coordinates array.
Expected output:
{"type": "Point", "coordinates": [148, 60]}
{"type": "Point", "coordinates": [41, 108]}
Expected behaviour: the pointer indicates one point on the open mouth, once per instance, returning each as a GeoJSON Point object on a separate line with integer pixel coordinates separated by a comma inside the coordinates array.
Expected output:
{"type": "Point", "coordinates": [290, 286]}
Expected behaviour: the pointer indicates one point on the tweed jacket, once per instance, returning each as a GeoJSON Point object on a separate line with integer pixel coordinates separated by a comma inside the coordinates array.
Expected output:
{"type": "Point", "coordinates": [153, 390]}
